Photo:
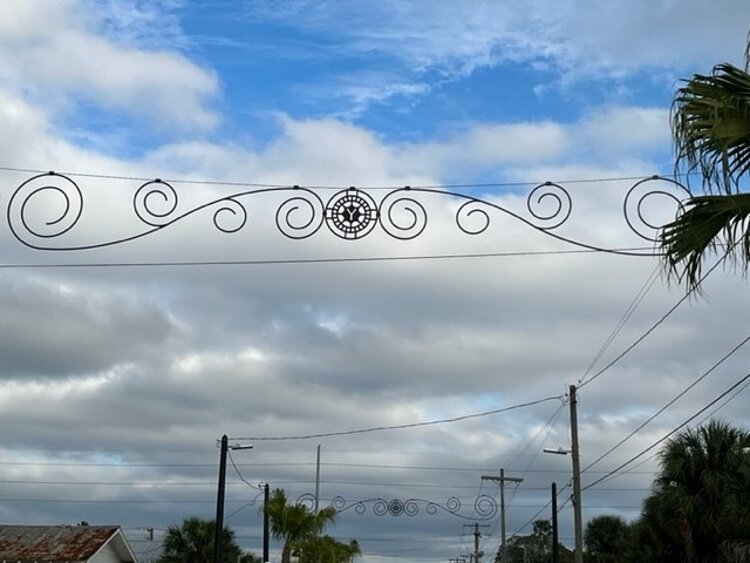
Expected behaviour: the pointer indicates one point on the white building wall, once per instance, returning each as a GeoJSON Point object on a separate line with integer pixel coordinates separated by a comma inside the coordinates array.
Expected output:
{"type": "Point", "coordinates": [106, 555]}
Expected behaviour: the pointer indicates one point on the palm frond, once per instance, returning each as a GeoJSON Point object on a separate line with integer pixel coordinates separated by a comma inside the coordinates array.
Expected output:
{"type": "Point", "coordinates": [710, 223]}
{"type": "Point", "coordinates": [711, 127]}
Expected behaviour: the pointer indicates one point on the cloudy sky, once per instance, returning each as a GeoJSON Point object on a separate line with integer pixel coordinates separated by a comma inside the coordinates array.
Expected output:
{"type": "Point", "coordinates": [139, 325]}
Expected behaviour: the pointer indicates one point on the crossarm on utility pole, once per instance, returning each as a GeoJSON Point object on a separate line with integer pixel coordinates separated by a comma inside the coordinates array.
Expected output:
{"type": "Point", "coordinates": [500, 480]}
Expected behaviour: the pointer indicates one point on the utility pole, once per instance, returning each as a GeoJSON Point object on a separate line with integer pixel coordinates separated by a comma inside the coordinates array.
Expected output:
{"type": "Point", "coordinates": [555, 539]}
{"type": "Point", "coordinates": [574, 451]}
{"type": "Point", "coordinates": [317, 481]}
{"type": "Point", "coordinates": [501, 481]}
{"type": "Point", "coordinates": [265, 522]}
{"type": "Point", "coordinates": [219, 523]}
{"type": "Point", "coordinates": [477, 534]}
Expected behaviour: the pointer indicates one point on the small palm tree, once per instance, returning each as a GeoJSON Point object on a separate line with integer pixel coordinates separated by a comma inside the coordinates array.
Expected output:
{"type": "Point", "coordinates": [711, 131]}
{"type": "Point", "coordinates": [295, 523]}
{"type": "Point", "coordinates": [193, 542]}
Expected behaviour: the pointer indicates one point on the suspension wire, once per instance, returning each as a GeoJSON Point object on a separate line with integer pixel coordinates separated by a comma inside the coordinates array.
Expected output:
{"type": "Point", "coordinates": [241, 184]}
{"type": "Point", "coordinates": [722, 405]}
{"type": "Point", "coordinates": [546, 429]}
{"type": "Point", "coordinates": [653, 327]}
{"type": "Point", "coordinates": [637, 300]}
{"type": "Point", "coordinates": [673, 431]}
{"type": "Point", "coordinates": [239, 474]}
{"type": "Point", "coordinates": [670, 403]}
{"type": "Point", "coordinates": [330, 260]}
{"type": "Point", "coordinates": [401, 426]}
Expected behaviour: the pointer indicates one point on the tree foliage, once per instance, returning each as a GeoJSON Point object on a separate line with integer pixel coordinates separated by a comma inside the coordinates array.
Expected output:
{"type": "Point", "coordinates": [325, 549]}
{"type": "Point", "coordinates": [535, 547]}
{"type": "Point", "coordinates": [300, 529]}
{"type": "Point", "coordinates": [697, 511]}
{"type": "Point", "coordinates": [711, 133]}
{"type": "Point", "coordinates": [193, 542]}
{"type": "Point", "coordinates": [606, 539]}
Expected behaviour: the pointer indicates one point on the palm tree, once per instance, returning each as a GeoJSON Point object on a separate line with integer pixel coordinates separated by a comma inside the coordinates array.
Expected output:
{"type": "Point", "coordinates": [295, 523]}
{"type": "Point", "coordinates": [703, 489]}
{"type": "Point", "coordinates": [325, 549]}
{"type": "Point", "coordinates": [606, 538]}
{"type": "Point", "coordinates": [711, 131]}
{"type": "Point", "coordinates": [193, 542]}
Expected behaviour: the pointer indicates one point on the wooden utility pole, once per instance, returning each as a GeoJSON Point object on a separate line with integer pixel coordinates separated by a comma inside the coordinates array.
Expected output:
{"type": "Point", "coordinates": [219, 522]}
{"type": "Point", "coordinates": [317, 481]}
{"type": "Point", "coordinates": [555, 540]}
{"type": "Point", "coordinates": [477, 555]}
{"type": "Point", "coordinates": [500, 480]}
{"type": "Point", "coordinates": [574, 452]}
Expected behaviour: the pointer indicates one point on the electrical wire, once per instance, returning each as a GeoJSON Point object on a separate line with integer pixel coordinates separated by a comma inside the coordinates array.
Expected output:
{"type": "Point", "coordinates": [637, 300]}
{"type": "Point", "coordinates": [722, 405]}
{"type": "Point", "coordinates": [401, 426]}
{"type": "Point", "coordinates": [546, 429]}
{"type": "Point", "coordinates": [237, 470]}
{"type": "Point", "coordinates": [328, 260]}
{"type": "Point", "coordinates": [673, 431]}
{"type": "Point", "coordinates": [670, 403]}
{"type": "Point", "coordinates": [653, 327]}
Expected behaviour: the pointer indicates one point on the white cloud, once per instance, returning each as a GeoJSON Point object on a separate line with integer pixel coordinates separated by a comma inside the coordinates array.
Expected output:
{"type": "Point", "coordinates": [268, 350]}
{"type": "Point", "coordinates": [578, 37]}
{"type": "Point", "coordinates": [54, 52]}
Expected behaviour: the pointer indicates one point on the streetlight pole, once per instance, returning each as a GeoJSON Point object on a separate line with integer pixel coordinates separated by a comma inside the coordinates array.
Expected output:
{"type": "Point", "coordinates": [219, 523]}
{"type": "Point", "coordinates": [265, 523]}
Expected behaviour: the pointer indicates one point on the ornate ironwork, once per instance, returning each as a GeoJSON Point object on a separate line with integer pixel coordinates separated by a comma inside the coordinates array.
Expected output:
{"type": "Point", "coordinates": [484, 507]}
{"type": "Point", "coordinates": [48, 206]}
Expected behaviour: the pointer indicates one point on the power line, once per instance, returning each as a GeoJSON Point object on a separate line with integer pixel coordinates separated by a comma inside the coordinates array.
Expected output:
{"type": "Point", "coordinates": [637, 300]}
{"type": "Point", "coordinates": [653, 327]}
{"type": "Point", "coordinates": [400, 426]}
{"type": "Point", "coordinates": [670, 403]}
{"type": "Point", "coordinates": [660, 440]}
{"type": "Point", "coordinates": [723, 404]}
{"type": "Point", "coordinates": [239, 474]}
{"type": "Point", "coordinates": [328, 260]}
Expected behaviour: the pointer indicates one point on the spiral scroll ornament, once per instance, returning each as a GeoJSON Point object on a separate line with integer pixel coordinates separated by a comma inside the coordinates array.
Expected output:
{"type": "Point", "coordinates": [44, 207]}
{"type": "Point", "coordinates": [402, 216]}
{"type": "Point", "coordinates": [300, 216]}
{"type": "Point", "coordinates": [550, 205]}
{"type": "Point", "coordinates": [662, 202]}
{"type": "Point", "coordinates": [154, 202]}
{"type": "Point", "coordinates": [50, 206]}
{"type": "Point", "coordinates": [485, 507]}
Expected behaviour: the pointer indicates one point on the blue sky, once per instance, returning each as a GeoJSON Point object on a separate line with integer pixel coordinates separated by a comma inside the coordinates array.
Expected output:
{"type": "Point", "coordinates": [142, 368]}
{"type": "Point", "coordinates": [406, 72]}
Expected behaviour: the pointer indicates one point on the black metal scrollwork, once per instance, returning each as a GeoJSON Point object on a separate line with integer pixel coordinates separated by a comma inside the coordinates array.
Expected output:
{"type": "Point", "coordinates": [635, 201]}
{"type": "Point", "coordinates": [49, 206]}
{"type": "Point", "coordinates": [485, 507]}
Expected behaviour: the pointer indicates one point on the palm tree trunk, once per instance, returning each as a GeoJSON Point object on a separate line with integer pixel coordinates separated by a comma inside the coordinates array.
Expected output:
{"type": "Point", "coordinates": [286, 554]}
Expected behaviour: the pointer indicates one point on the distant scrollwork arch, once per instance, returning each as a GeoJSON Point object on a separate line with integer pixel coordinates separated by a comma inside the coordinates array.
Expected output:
{"type": "Point", "coordinates": [484, 506]}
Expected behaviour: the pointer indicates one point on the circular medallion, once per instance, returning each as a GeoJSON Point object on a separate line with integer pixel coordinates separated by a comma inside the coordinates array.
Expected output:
{"type": "Point", "coordinates": [351, 214]}
{"type": "Point", "coordinates": [396, 507]}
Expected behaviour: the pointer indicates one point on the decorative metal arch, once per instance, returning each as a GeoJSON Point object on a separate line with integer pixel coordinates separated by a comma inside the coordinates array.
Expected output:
{"type": "Point", "coordinates": [349, 214]}
{"type": "Point", "coordinates": [484, 506]}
